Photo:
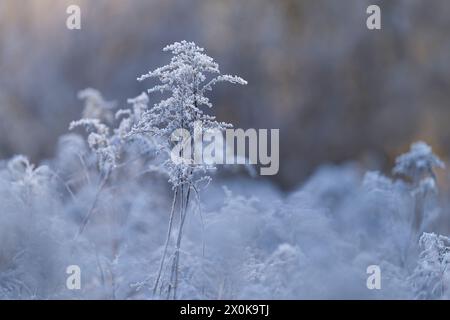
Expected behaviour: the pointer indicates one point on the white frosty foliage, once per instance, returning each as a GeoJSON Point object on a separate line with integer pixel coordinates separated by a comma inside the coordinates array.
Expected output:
{"type": "Point", "coordinates": [418, 166]}
{"type": "Point", "coordinates": [247, 240]}
{"type": "Point", "coordinates": [185, 80]}
{"type": "Point", "coordinates": [26, 179]}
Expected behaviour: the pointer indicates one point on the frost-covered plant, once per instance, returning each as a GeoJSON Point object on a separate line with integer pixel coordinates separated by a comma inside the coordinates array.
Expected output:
{"type": "Point", "coordinates": [131, 117]}
{"type": "Point", "coordinates": [108, 144]}
{"type": "Point", "coordinates": [26, 179]}
{"type": "Point", "coordinates": [186, 79]}
{"type": "Point", "coordinates": [418, 165]}
{"type": "Point", "coordinates": [100, 142]}
{"type": "Point", "coordinates": [128, 119]}
{"type": "Point", "coordinates": [385, 202]}
{"type": "Point", "coordinates": [95, 106]}
{"type": "Point", "coordinates": [30, 228]}
{"type": "Point", "coordinates": [431, 278]}
{"type": "Point", "coordinates": [110, 147]}
{"type": "Point", "coordinates": [100, 139]}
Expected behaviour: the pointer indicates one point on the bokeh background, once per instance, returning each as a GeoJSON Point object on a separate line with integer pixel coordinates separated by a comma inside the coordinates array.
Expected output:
{"type": "Point", "coordinates": [336, 90]}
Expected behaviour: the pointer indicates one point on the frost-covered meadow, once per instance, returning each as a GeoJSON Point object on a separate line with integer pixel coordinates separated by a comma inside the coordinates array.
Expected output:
{"type": "Point", "coordinates": [141, 227]}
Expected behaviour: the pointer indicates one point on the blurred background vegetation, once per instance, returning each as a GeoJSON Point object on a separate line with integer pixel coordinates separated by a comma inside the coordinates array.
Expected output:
{"type": "Point", "coordinates": [336, 90]}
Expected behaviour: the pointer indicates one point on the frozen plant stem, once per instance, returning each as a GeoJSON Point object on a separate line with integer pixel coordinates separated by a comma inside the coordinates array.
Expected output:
{"type": "Point", "coordinates": [169, 232]}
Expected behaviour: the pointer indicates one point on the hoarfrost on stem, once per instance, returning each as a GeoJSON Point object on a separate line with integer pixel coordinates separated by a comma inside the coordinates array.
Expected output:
{"type": "Point", "coordinates": [188, 76]}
